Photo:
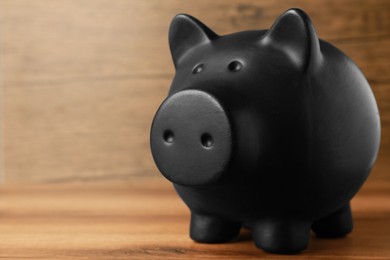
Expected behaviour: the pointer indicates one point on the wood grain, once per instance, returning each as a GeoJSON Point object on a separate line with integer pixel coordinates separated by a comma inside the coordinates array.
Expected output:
{"type": "Point", "coordinates": [82, 79]}
{"type": "Point", "coordinates": [145, 219]}
{"type": "Point", "coordinates": [98, 136]}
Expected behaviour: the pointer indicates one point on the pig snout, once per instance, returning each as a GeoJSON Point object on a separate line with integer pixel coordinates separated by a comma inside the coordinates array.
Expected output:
{"type": "Point", "coordinates": [191, 138]}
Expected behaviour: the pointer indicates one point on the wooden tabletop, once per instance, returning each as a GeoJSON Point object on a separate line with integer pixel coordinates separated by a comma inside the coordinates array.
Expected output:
{"type": "Point", "coordinates": [144, 219]}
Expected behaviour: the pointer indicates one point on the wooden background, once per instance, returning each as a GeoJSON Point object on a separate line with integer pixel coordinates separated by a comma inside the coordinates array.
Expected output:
{"type": "Point", "coordinates": [81, 80]}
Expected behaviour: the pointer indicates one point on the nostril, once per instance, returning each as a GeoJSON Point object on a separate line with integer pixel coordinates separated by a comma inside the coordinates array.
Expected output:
{"type": "Point", "coordinates": [206, 140]}
{"type": "Point", "coordinates": [168, 136]}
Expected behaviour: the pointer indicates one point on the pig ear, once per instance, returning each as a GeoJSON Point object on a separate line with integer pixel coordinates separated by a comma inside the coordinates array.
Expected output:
{"type": "Point", "coordinates": [294, 34]}
{"type": "Point", "coordinates": [186, 32]}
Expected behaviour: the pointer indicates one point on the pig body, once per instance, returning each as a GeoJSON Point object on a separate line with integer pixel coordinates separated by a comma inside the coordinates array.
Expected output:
{"type": "Point", "coordinates": [273, 129]}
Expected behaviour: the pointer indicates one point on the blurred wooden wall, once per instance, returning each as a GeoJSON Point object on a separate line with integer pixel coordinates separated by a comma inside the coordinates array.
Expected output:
{"type": "Point", "coordinates": [81, 79]}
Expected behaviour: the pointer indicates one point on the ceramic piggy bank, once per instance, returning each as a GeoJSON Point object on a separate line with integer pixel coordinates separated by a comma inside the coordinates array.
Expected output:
{"type": "Point", "coordinates": [274, 130]}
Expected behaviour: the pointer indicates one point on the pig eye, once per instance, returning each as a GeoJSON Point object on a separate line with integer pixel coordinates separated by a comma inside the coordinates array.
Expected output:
{"type": "Point", "coordinates": [235, 66]}
{"type": "Point", "coordinates": [198, 69]}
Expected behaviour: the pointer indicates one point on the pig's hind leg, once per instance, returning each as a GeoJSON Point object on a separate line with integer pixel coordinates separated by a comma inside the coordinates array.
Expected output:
{"type": "Point", "coordinates": [210, 229]}
{"type": "Point", "coordinates": [337, 224]}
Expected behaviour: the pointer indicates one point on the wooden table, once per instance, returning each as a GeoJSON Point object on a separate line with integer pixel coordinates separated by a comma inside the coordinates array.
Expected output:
{"type": "Point", "coordinates": [144, 219]}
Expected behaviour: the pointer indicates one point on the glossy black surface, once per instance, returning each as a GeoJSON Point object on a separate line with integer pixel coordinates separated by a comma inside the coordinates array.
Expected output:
{"type": "Point", "coordinates": [271, 129]}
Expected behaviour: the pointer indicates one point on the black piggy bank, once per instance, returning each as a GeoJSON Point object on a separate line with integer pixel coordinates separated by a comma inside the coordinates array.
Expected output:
{"type": "Point", "coordinates": [274, 130]}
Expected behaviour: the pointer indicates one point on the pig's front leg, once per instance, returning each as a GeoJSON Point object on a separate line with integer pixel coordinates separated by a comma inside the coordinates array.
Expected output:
{"type": "Point", "coordinates": [338, 224]}
{"type": "Point", "coordinates": [281, 236]}
{"type": "Point", "coordinates": [210, 229]}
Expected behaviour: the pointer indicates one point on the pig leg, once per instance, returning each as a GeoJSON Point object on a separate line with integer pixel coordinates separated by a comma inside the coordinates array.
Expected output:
{"type": "Point", "coordinates": [281, 236]}
{"type": "Point", "coordinates": [209, 229]}
{"type": "Point", "coordinates": [337, 224]}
